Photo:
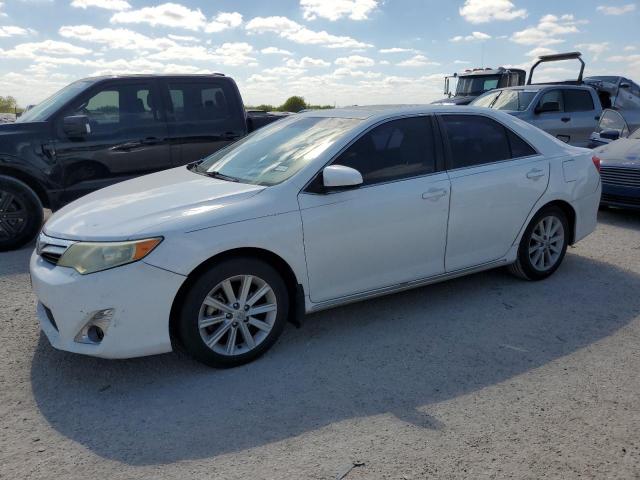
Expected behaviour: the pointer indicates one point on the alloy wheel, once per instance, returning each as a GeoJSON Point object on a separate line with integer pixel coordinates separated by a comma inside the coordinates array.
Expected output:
{"type": "Point", "coordinates": [13, 214]}
{"type": "Point", "coordinates": [546, 243]}
{"type": "Point", "coordinates": [237, 315]}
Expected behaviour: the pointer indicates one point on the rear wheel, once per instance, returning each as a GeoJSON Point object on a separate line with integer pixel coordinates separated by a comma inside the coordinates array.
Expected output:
{"type": "Point", "coordinates": [234, 312]}
{"type": "Point", "coordinates": [543, 245]}
{"type": "Point", "coordinates": [21, 213]}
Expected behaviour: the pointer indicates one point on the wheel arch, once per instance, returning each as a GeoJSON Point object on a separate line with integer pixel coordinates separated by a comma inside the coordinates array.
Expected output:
{"type": "Point", "coordinates": [568, 210]}
{"type": "Point", "coordinates": [294, 287]}
{"type": "Point", "coordinates": [29, 181]}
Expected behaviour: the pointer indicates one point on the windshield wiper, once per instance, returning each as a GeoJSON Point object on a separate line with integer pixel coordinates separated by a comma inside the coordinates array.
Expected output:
{"type": "Point", "coordinates": [221, 176]}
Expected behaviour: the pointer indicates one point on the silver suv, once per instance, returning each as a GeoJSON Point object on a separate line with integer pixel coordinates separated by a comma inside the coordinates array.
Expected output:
{"type": "Point", "coordinates": [568, 112]}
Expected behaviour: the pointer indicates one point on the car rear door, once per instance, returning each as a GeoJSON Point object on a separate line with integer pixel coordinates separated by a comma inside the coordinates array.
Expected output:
{"type": "Point", "coordinates": [496, 179]}
{"type": "Point", "coordinates": [390, 230]}
{"type": "Point", "coordinates": [128, 136]}
{"type": "Point", "coordinates": [204, 115]}
{"type": "Point", "coordinates": [582, 109]}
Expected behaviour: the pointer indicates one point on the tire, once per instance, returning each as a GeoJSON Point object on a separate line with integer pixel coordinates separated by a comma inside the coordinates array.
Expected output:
{"type": "Point", "coordinates": [21, 214]}
{"type": "Point", "coordinates": [540, 256]}
{"type": "Point", "coordinates": [214, 324]}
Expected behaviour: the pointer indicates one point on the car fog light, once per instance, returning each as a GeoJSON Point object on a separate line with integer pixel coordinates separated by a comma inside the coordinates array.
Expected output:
{"type": "Point", "coordinates": [96, 327]}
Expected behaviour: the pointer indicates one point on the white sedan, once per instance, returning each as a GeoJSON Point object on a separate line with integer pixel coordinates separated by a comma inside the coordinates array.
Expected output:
{"type": "Point", "coordinates": [311, 212]}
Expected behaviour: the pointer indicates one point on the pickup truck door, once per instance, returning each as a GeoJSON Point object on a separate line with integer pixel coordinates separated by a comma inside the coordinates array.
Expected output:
{"type": "Point", "coordinates": [128, 137]}
{"type": "Point", "coordinates": [204, 115]}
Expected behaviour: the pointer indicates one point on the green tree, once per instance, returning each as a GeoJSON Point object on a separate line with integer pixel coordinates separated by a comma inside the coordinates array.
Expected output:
{"type": "Point", "coordinates": [8, 104]}
{"type": "Point", "coordinates": [293, 104]}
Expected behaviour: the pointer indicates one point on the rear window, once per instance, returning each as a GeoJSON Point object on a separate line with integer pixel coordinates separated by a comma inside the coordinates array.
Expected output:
{"type": "Point", "coordinates": [577, 101]}
{"type": "Point", "coordinates": [195, 102]}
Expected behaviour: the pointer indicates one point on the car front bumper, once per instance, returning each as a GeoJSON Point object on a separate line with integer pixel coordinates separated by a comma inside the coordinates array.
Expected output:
{"type": "Point", "coordinates": [137, 296]}
{"type": "Point", "coordinates": [620, 196]}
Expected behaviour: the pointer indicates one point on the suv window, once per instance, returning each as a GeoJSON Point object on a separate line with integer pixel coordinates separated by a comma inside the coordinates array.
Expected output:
{"type": "Point", "coordinates": [118, 106]}
{"type": "Point", "coordinates": [552, 96]}
{"type": "Point", "coordinates": [394, 150]}
{"type": "Point", "coordinates": [198, 102]}
{"type": "Point", "coordinates": [475, 140]}
{"type": "Point", "coordinates": [577, 101]}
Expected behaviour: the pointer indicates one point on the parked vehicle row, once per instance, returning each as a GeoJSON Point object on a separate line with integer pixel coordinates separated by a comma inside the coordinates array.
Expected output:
{"type": "Point", "coordinates": [311, 212]}
{"type": "Point", "coordinates": [100, 131]}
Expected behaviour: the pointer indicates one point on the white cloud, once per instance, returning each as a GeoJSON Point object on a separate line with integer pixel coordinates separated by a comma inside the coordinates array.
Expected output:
{"type": "Point", "coordinates": [461, 62]}
{"type": "Point", "coordinates": [483, 11]}
{"type": "Point", "coordinates": [548, 30]}
{"type": "Point", "coordinates": [347, 72]}
{"type": "Point", "coordinates": [116, 5]}
{"type": "Point", "coordinates": [297, 33]}
{"type": "Point", "coordinates": [183, 38]}
{"type": "Point", "coordinates": [538, 51]}
{"type": "Point", "coordinates": [48, 47]}
{"type": "Point", "coordinates": [307, 62]}
{"type": "Point", "coordinates": [283, 71]}
{"type": "Point", "coordinates": [115, 37]}
{"type": "Point", "coordinates": [275, 51]}
{"type": "Point", "coordinates": [12, 31]}
{"type": "Point", "coordinates": [355, 61]}
{"type": "Point", "coordinates": [470, 38]}
{"type": "Point", "coordinates": [596, 49]}
{"type": "Point", "coordinates": [416, 61]}
{"type": "Point", "coordinates": [397, 50]}
{"type": "Point", "coordinates": [224, 21]}
{"type": "Point", "coordinates": [167, 15]}
{"type": "Point", "coordinates": [621, 10]}
{"type": "Point", "coordinates": [227, 54]}
{"type": "Point", "coordinates": [630, 48]}
{"type": "Point", "coordinates": [2, 14]}
{"type": "Point", "coordinates": [336, 9]}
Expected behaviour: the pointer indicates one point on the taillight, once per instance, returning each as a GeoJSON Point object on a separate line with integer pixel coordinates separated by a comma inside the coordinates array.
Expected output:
{"type": "Point", "coordinates": [596, 162]}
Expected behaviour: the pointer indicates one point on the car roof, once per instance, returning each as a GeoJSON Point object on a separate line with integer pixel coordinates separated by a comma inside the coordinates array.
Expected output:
{"type": "Point", "coordinates": [536, 87]}
{"type": "Point", "coordinates": [386, 111]}
{"type": "Point", "coordinates": [153, 75]}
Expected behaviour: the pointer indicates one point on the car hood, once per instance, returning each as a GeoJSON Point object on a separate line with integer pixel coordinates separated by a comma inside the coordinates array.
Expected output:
{"type": "Point", "coordinates": [621, 153]}
{"type": "Point", "coordinates": [18, 128]}
{"type": "Point", "coordinates": [175, 199]}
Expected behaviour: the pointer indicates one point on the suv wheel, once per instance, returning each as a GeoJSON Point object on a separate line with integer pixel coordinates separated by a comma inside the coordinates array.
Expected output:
{"type": "Point", "coordinates": [543, 245]}
{"type": "Point", "coordinates": [234, 312]}
{"type": "Point", "coordinates": [21, 213]}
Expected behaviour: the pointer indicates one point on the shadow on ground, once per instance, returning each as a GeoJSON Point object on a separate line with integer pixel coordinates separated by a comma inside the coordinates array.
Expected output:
{"type": "Point", "coordinates": [389, 355]}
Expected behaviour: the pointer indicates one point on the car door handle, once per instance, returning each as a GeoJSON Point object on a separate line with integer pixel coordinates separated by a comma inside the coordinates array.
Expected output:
{"type": "Point", "coordinates": [434, 194]}
{"type": "Point", "coordinates": [566, 119]}
{"type": "Point", "coordinates": [535, 174]}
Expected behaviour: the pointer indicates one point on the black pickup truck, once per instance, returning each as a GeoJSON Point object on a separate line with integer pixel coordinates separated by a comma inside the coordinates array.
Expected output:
{"type": "Point", "coordinates": [99, 131]}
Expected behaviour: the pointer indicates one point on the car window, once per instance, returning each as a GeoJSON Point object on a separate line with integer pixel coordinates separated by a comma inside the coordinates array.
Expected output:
{"type": "Point", "coordinates": [475, 140]}
{"type": "Point", "coordinates": [612, 120]}
{"type": "Point", "coordinates": [487, 99]}
{"type": "Point", "coordinates": [519, 148]}
{"type": "Point", "coordinates": [198, 102]}
{"type": "Point", "coordinates": [550, 97]}
{"type": "Point", "coordinates": [118, 106]}
{"type": "Point", "coordinates": [394, 150]}
{"type": "Point", "coordinates": [636, 134]}
{"type": "Point", "coordinates": [577, 101]}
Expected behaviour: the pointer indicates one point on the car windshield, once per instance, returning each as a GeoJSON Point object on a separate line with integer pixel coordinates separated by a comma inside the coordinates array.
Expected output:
{"type": "Point", "coordinates": [635, 135]}
{"type": "Point", "coordinates": [476, 84]}
{"type": "Point", "coordinates": [510, 100]}
{"type": "Point", "coordinates": [44, 109]}
{"type": "Point", "coordinates": [275, 153]}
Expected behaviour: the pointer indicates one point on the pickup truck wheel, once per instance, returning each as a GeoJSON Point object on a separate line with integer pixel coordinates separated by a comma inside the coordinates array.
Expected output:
{"type": "Point", "coordinates": [234, 312]}
{"type": "Point", "coordinates": [21, 213]}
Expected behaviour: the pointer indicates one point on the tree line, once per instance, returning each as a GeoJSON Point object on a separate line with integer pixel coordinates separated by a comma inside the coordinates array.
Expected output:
{"type": "Point", "coordinates": [8, 104]}
{"type": "Point", "coordinates": [292, 104]}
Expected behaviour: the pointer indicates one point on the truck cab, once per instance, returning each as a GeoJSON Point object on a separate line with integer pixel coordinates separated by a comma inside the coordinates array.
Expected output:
{"type": "Point", "coordinates": [99, 131]}
{"type": "Point", "coordinates": [473, 83]}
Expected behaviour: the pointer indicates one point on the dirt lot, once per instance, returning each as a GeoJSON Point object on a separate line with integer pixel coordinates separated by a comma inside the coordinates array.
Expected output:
{"type": "Point", "coordinates": [481, 377]}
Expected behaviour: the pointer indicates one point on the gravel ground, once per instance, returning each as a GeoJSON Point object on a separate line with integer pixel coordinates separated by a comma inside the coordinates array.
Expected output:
{"type": "Point", "coordinates": [481, 377]}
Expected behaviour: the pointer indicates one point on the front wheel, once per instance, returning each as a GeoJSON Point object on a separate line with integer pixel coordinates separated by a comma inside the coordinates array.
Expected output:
{"type": "Point", "coordinates": [234, 312]}
{"type": "Point", "coordinates": [21, 213]}
{"type": "Point", "coordinates": [543, 245]}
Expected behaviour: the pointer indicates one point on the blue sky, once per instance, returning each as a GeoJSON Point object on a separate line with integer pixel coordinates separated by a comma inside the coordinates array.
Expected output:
{"type": "Point", "coordinates": [329, 51]}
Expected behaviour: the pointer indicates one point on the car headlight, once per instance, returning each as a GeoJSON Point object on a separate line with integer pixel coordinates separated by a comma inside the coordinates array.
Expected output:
{"type": "Point", "coordinates": [90, 257]}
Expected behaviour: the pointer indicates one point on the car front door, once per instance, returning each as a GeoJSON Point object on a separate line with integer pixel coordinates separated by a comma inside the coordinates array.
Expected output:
{"type": "Point", "coordinates": [496, 179]}
{"type": "Point", "coordinates": [204, 116]}
{"type": "Point", "coordinates": [127, 138]}
{"type": "Point", "coordinates": [390, 230]}
{"type": "Point", "coordinates": [548, 114]}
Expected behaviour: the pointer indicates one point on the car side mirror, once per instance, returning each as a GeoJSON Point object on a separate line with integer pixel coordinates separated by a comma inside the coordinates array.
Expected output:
{"type": "Point", "coordinates": [548, 107]}
{"type": "Point", "coordinates": [610, 134]}
{"type": "Point", "coordinates": [340, 177]}
{"type": "Point", "coordinates": [76, 126]}
{"type": "Point", "coordinates": [625, 85]}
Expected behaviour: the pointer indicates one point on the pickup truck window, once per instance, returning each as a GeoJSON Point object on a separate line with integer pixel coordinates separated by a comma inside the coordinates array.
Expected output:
{"type": "Point", "coordinates": [55, 102]}
{"type": "Point", "coordinates": [278, 151]}
{"type": "Point", "coordinates": [577, 101]}
{"type": "Point", "coordinates": [198, 102]}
